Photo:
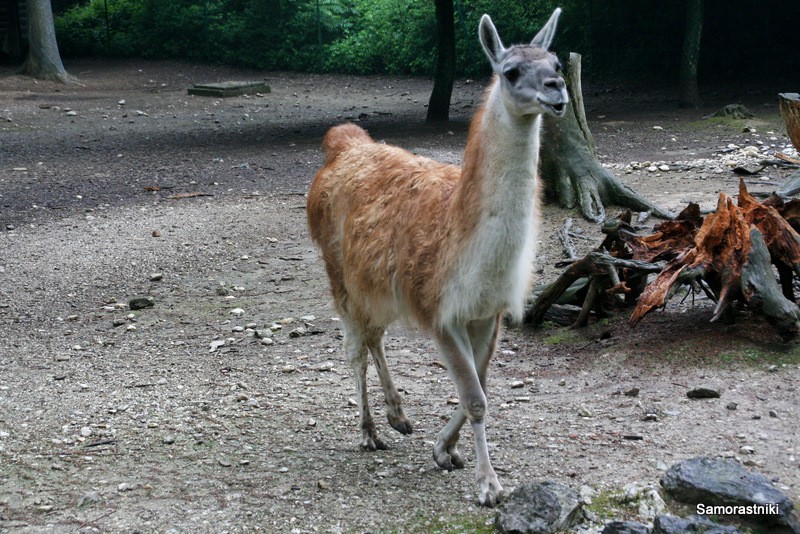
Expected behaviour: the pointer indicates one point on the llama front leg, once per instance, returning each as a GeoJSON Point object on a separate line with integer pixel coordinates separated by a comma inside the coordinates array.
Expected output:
{"type": "Point", "coordinates": [356, 349]}
{"type": "Point", "coordinates": [483, 339]}
{"type": "Point", "coordinates": [456, 350]}
{"type": "Point", "coordinates": [394, 402]}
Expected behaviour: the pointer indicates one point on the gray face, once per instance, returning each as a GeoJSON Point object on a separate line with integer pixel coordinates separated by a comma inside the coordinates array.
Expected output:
{"type": "Point", "coordinates": [529, 75]}
{"type": "Point", "coordinates": [531, 81]}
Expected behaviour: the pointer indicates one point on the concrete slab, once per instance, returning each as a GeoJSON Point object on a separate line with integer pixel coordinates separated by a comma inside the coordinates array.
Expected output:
{"type": "Point", "coordinates": [230, 88]}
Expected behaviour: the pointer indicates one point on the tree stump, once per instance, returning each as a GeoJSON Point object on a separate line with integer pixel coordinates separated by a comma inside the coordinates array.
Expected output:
{"type": "Point", "coordinates": [570, 166]}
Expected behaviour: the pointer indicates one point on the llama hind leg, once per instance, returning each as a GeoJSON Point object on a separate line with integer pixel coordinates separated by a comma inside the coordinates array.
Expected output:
{"type": "Point", "coordinates": [356, 348]}
{"type": "Point", "coordinates": [394, 402]}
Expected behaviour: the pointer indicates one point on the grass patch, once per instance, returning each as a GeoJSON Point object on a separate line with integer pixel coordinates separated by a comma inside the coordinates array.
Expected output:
{"type": "Point", "coordinates": [606, 504]}
{"type": "Point", "coordinates": [753, 356]}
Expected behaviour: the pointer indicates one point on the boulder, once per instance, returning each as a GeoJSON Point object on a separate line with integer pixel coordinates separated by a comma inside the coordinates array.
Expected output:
{"type": "Point", "coordinates": [538, 508]}
{"type": "Point", "coordinates": [710, 481]}
{"type": "Point", "coordinates": [670, 524]}
{"type": "Point", "coordinates": [625, 527]}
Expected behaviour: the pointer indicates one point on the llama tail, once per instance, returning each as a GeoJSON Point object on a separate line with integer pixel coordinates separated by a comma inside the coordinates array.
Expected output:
{"type": "Point", "coordinates": [342, 137]}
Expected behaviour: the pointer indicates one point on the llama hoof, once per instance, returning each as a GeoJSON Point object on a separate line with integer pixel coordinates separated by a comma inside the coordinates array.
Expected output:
{"type": "Point", "coordinates": [373, 444]}
{"type": "Point", "coordinates": [449, 459]}
{"type": "Point", "coordinates": [491, 493]}
{"type": "Point", "coordinates": [402, 425]}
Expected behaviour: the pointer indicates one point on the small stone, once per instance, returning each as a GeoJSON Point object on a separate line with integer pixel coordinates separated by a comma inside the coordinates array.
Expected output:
{"type": "Point", "coordinates": [650, 416]}
{"type": "Point", "coordinates": [516, 384]}
{"type": "Point", "coordinates": [156, 277]}
{"type": "Point", "coordinates": [251, 326]}
{"type": "Point", "coordinates": [286, 320]}
{"type": "Point", "coordinates": [633, 392]}
{"type": "Point", "coordinates": [86, 432]}
{"type": "Point", "coordinates": [453, 401]}
{"type": "Point", "coordinates": [562, 382]}
{"type": "Point", "coordinates": [731, 406]}
{"type": "Point", "coordinates": [168, 439]}
{"type": "Point", "coordinates": [583, 411]}
{"type": "Point", "coordinates": [747, 449]}
{"type": "Point", "coordinates": [323, 485]}
{"type": "Point", "coordinates": [267, 341]}
{"type": "Point", "coordinates": [773, 368]}
{"type": "Point", "coordinates": [130, 327]}
{"type": "Point", "coordinates": [663, 168]}
{"type": "Point", "coordinates": [773, 413]}
{"type": "Point", "coordinates": [237, 329]}
{"type": "Point", "coordinates": [238, 312]}
{"type": "Point", "coordinates": [224, 462]}
{"type": "Point", "coordinates": [311, 422]}
{"type": "Point", "coordinates": [90, 498]}
{"type": "Point", "coordinates": [124, 486]}
{"type": "Point", "coordinates": [71, 113]}
{"type": "Point", "coordinates": [140, 303]}
{"type": "Point", "coordinates": [288, 369]}
{"type": "Point", "coordinates": [702, 393]}
{"type": "Point", "coordinates": [61, 357]}
{"type": "Point", "coordinates": [324, 367]}
{"type": "Point", "coordinates": [308, 318]}
{"type": "Point", "coordinates": [297, 332]}
{"type": "Point", "coordinates": [652, 168]}
{"type": "Point", "coordinates": [216, 344]}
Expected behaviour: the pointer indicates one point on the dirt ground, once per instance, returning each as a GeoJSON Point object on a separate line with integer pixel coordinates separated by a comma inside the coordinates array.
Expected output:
{"type": "Point", "coordinates": [177, 418]}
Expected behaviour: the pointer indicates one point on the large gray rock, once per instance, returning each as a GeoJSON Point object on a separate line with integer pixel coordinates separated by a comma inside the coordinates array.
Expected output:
{"type": "Point", "coordinates": [538, 508]}
{"type": "Point", "coordinates": [711, 481]}
{"type": "Point", "coordinates": [626, 527]}
{"type": "Point", "coordinates": [670, 524]}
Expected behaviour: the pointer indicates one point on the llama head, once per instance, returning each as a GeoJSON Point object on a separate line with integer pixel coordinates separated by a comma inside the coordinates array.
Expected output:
{"type": "Point", "coordinates": [529, 75]}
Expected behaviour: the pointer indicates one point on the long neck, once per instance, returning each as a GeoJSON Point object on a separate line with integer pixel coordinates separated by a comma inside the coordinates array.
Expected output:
{"type": "Point", "coordinates": [498, 176]}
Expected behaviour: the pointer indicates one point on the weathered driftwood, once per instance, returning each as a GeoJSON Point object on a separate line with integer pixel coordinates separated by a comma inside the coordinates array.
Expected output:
{"type": "Point", "coordinates": [731, 257]}
{"type": "Point", "coordinates": [728, 255]}
{"type": "Point", "coordinates": [570, 166]}
{"type": "Point", "coordinates": [591, 281]}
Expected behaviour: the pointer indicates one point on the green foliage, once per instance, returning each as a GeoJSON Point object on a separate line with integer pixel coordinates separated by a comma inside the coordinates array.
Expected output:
{"type": "Point", "coordinates": [349, 36]}
{"type": "Point", "coordinates": [625, 38]}
{"type": "Point", "coordinates": [385, 36]}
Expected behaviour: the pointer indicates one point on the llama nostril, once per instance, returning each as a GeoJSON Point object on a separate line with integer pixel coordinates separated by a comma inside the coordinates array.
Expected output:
{"type": "Point", "coordinates": [554, 83]}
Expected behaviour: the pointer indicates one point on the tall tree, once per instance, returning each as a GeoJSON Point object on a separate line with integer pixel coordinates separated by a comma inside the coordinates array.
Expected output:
{"type": "Point", "coordinates": [689, 95]}
{"type": "Point", "coordinates": [439, 103]}
{"type": "Point", "coordinates": [44, 60]}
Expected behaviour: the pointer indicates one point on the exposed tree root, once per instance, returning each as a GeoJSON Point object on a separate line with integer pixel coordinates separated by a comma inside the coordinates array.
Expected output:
{"type": "Point", "coordinates": [728, 255]}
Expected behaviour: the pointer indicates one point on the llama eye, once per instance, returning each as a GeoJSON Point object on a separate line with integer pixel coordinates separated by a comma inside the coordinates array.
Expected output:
{"type": "Point", "coordinates": [511, 74]}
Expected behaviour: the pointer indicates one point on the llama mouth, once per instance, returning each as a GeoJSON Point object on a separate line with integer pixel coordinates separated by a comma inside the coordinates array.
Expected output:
{"type": "Point", "coordinates": [556, 109]}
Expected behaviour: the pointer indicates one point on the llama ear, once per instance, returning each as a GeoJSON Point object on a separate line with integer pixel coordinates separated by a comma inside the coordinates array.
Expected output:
{"type": "Point", "coordinates": [490, 40]}
{"type": "Point", "coordinates": [545, 36]}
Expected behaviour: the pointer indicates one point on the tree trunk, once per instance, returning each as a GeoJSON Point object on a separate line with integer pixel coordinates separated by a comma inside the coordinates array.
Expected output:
{"type": "Point", "coordinates": [569, 163]}
{"type": "Point", "coordinates": [439, 103]}
{"type": "Point", "coordinates": [689, 94]}
{"type": "Point", "coordinates": [44, 60]}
